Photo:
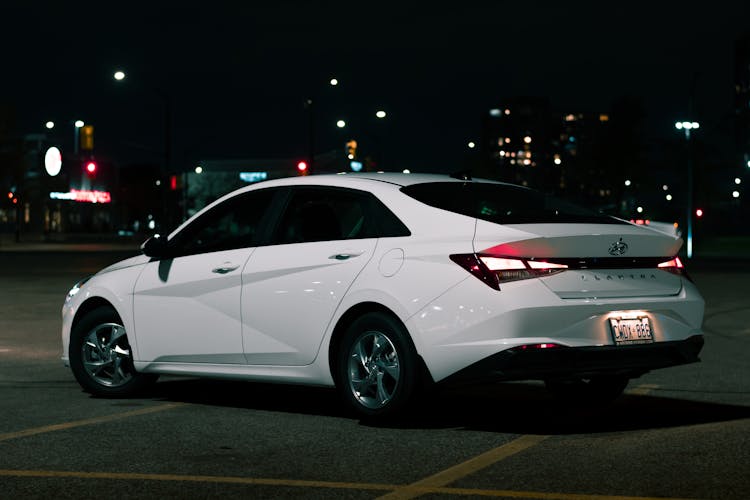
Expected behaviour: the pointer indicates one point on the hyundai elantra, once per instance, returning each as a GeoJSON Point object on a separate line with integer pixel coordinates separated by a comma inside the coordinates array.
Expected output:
{"type": "Point", "coordinates": [384, 285]}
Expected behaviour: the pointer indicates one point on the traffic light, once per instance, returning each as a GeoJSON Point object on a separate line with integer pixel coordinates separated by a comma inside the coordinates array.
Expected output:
{"type": "Point", "coordinates": [90, 168]}
{"type": "Point", "coordinates": [351, 149]}
{"type": "Point", "coordinates": [87, 137]}
{"type": "Point", "coordinates": [302, 167]}
{"type": "Point", "coordinates": [699, 213]}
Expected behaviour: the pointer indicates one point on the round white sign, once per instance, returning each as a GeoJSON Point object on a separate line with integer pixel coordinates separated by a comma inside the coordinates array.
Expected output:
{"type": "Point", "coordinates": [53, 161]}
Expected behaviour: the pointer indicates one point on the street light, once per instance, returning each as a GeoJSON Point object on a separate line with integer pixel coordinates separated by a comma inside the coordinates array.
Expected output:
{"type": "Point", "coordinates": [686, 127]}
{"type": "Point", "coordinates": [77, 125]}
{"type": "Point", "coordinates": [120, 76]}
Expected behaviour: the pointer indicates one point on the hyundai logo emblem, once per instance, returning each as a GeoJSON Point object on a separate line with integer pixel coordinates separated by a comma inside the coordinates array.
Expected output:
{"type": "Point", "coordinates": [618, 248]}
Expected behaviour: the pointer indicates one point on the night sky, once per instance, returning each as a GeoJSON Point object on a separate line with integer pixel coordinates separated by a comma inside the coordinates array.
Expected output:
{"type": "Point", "coordinates": [237, 73]}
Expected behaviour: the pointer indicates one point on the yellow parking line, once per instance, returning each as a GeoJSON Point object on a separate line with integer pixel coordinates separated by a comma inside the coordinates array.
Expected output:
{"type": "Point", "coordinates": [87, 421]}
{"type": "Point", "coordinates": [126, 476]}
{"type": "Point", "coordinates": [197, 479]}
{"type": "Point", "coordinates": [484, 460]}
{"type": "Point", "coordinates": [642, 390]}
{"type": "Point", "coordinates": [466, 468]}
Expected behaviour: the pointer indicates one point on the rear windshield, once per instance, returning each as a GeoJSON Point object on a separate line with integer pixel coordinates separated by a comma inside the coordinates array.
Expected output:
{"type": "Point", "coordinates": [503, 203]}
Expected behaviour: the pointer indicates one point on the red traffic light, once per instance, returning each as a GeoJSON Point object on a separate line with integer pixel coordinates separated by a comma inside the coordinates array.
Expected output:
{"type": "Point", "coordinates": [91, 167]}
{"type": "Point", "coordinates": [699, 213]}
{"type": "Point", "coordinates": [302, 166]}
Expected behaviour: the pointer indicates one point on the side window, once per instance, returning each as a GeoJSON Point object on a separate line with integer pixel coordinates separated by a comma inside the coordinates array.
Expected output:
{"type": "Point", "coordinates": [235, 223]}
{"type": "Point", "coordinates": [324, 214]}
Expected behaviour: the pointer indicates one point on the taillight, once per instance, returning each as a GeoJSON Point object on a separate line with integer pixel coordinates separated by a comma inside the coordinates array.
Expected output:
{"type": "Point", "coordinates": [494, 270]}
{"type": "Point", "coordinates": [673, 266]}
{"type": "Point", "coordinates": [534, 347]}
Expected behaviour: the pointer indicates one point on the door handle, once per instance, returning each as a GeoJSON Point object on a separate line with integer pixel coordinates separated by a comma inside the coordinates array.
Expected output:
{"type": "Point", "coordinates": [225, 268]}
{"type": "Point", "coordinates": [345, 256]}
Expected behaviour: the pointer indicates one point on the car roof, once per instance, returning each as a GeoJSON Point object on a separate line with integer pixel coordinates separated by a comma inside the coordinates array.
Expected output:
{"type": "Point", "coordinates": [349, 178]}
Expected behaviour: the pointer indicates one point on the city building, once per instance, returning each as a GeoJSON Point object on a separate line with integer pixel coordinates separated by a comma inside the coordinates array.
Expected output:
{"type": "Point", "coordinates": [529, 142]}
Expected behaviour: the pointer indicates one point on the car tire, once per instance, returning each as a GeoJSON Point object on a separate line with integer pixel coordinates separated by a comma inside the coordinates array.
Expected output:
{"type": "Point", "coordinates": [101, 358]}
{"type": "Point", "coordinates": [596, 391]}
{"type": "Point", "coordinates": [378, 369]}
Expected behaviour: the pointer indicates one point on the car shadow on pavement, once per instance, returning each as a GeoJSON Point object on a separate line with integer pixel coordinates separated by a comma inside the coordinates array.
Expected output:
{"type": "Point", "coordinates": [502, 407]}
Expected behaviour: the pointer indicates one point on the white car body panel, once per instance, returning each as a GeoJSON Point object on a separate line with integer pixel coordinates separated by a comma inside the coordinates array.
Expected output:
{"type": "Point", "coordinates": [289, 294]}
{"type": "Point", "coordinates": [529, 313]}
{"type": "Point", "coordinates": [186, 312]}
{"type": "Point", "coordinates": [571, 240]}
{"type": "Point", "coordinates": [115, 286]}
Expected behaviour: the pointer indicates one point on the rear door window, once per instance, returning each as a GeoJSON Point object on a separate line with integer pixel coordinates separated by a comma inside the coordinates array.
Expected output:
{"type": "Point", "coordinates": [319, 213]}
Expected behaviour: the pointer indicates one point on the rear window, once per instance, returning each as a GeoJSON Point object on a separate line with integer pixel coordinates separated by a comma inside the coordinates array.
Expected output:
{"type": "Point", "coordinates": [503, 203]}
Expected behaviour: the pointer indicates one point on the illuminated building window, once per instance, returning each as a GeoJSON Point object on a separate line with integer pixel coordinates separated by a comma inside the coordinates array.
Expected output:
{"type": "Point", "coordinates": [603, 117]}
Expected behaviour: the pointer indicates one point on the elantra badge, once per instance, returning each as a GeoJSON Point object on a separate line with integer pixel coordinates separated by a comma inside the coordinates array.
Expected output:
{"type": "Point", "coordinates": [618, 248]}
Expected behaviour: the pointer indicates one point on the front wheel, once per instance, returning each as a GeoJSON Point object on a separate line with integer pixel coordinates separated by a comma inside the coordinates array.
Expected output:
{"type": "Point", "coordinates": [377, 366]}
{"type": "Point", "coordinates": [101, 358]}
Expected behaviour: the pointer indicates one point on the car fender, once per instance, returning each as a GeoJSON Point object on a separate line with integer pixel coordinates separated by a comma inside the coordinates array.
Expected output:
{"type": "Point", "coordinates": [114, 287]}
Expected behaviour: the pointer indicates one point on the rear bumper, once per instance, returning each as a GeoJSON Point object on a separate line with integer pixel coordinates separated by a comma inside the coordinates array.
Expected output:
{"type": "Point", "coordinates": [584, 362]}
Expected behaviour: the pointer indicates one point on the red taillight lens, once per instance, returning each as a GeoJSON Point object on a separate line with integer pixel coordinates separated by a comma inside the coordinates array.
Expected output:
{"type": "Point", "coordinates": [673, 266]}
{"type": "Point", "coordinates": [535, 347]}
{"type": "Point", "coordinates": [494, 270]}
{"type": "Point", "coordinates": [476, 267]}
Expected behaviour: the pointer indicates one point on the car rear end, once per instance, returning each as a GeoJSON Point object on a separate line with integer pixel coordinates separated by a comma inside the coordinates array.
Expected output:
{"type": "Point", "coordinates": [554, 291]}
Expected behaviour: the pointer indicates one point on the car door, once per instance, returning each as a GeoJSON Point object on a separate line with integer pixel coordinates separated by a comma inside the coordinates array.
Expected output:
{"type": "Point", "coordinates": [292, 287]}
{"type": "Point", "coordinates": [187, 306]}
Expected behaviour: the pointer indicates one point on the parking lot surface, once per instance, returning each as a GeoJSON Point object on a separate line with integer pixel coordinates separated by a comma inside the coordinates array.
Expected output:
{"type": "Point", "coordinates": [682, 432]}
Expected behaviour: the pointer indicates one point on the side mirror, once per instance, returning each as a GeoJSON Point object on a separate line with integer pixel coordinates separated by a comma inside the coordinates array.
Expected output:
{"type": "Point", "coordinates": [156, 246]}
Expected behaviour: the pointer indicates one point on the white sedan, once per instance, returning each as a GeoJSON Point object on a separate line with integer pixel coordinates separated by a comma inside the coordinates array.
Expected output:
{"type": "Point", "coordinates": [383, 285]}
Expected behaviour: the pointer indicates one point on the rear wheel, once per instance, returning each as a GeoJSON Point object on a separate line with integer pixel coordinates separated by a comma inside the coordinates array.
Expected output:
{"type": "Point", "coordinates": [593, 391]}
{"type": "Point", "coordinates": [377, 366]}
{"type": "Point", "coordinates": [101, 357]}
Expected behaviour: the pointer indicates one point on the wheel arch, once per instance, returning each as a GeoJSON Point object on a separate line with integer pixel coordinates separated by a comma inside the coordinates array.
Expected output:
{"type": "Point", "coordinates": [349, 317]}
{"type": "Point", "coordinates": [89, 305]}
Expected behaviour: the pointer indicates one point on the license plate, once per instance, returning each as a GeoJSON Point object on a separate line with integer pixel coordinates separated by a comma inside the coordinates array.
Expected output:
{"type": "Point", "coordinates": [631, 330]}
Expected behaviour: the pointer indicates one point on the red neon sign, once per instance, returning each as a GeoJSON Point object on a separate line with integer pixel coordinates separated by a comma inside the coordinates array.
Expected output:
{"type": "Point", "coordinates": [84, 196]}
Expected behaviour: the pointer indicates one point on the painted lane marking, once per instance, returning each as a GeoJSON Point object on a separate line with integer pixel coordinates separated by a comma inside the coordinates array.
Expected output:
{"type": "Point", "coordinates": [466, 468]}
{"type": "Point", "coordinates": [87, 421]}
{"type": "Point", "coordinates": [484, 460]}
{"type": "Point", "coordinates": [642, 390]}
{"type": "Point", "coordinates": [128, 476]}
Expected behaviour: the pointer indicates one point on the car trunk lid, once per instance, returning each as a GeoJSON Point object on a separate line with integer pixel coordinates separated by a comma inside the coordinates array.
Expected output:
{"type": "Point", "coordinates": [603, 260]}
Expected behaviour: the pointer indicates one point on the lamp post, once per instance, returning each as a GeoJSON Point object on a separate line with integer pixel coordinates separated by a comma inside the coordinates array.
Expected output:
{"type": "Point", "coordinates": [76, 133]}
{"type": "Point", "coordinates": [687, 127]}
{"type": "Point", "coordinates": [119, 76]}
{"type": "Point", "coordinates": [310, 105]}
